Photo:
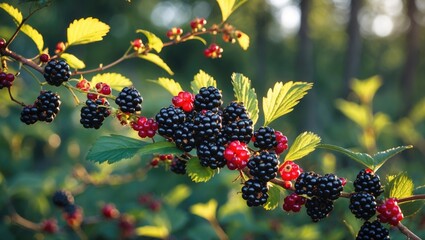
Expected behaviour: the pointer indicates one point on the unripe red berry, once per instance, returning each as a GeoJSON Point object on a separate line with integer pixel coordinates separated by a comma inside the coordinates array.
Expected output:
{"type": "Point", "coordinates": [126, 225]}
{"type": "Point", "coordinates": [73, 215]}
{"type": "Point", "coordinates": [198, 24]}
{"type": "Point", "coordinates": [289, 171]}
{"type": "Point", "coordinates": [293, 202]}
{"type": "Point", "coordinates": [44, 57]}
{"type": "Point", "coordinates": [137, 44]}
{"type": "Point", "coordinates": [154, 162]}
{"type": "Point", "coordinates": [282, 142]}
{"type": "Point", "coordinates": [106, 89]}
{"type": "Point", "coordinates": [2, 43]}
{"type": "Point", "coordinates": [237, 155]}
{"type": "Point", "coordinates": [213, 51]}
{"type": "Point", "coordinates": [109, 211]}
{"type": "Point", "coordinates": [155, 206]}
{"type": "Point", "coordinates": [146, 127]}
{"type": "Point", "coordinates": [50, 226]}
{"type": "Point", "coordinates": [10, 77]}
{"type": "Point", "coordinates": [60, 47]}
{"type": "Point", "coordinates": [84, 85]}
{"type": "Point", "coordinates": [174, 33]}
{"type": "Point", "coordinates": [184, 100]}
{"type": "Point", "coordinates": [287, 184]}
{"type": "Point", "coordinates": [92, 96]}
{"type": "Point", "coordinates": [390, 212]}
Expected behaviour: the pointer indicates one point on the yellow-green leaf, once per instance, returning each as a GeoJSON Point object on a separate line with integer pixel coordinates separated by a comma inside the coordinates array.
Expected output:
{"type": "Point", "coordinates": [160, 232]}
{"type": "Point", "coordinates": [244, 93]}
{"type": "Point", "coordinates": [34, 35]}
{"type": "Point", "coordinates": [243, 40]}
{"type": "Point", "coordinates": [157, 60]}
{"type": "Point", "coordinates": [73, 61]}
{"type": "Point", "coordinates": [200, 80]}
{"type": "Point", "coordinates": [170, 85]}
{"type": "Point", "coordinates": [366, 89]}
{"type": "Point", "coordinates": [227, 7]}
{"type": "Point", "coordinates": [86, 30]}
{"type": "Point", "coordinates": [115, 80]}
{"type": "Point", "coordinates": [205, 210]}
{"type": "Point", "coordinates": [153, 41]}
{"type": "Point", "coordinates": [274, 197]}
{"type": "Point", "coordinates": [355, 112]}
{"type": "Point", "coordinates": [400, 186]}
{"type": "Point", "coordinates": [304, 144]}
{"type": "Point", "coordinates": [197, 172]}
{"type": "Point", "coordinates": [282, 98]}
{"type": "Point", "coordinates": [13, 12]}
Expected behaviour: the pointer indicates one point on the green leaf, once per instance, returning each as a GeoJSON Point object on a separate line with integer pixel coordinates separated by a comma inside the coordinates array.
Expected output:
{"type": "Point", "coordinates": [274, 197]}
{"type": "Point", "coordinates": [159, 147]}
{"type": "Point", "coordinates": [205, 210]}
{"type": "Point", "coordinates": [197, 172]}
{"type": "Point", "coordinates": [282, 98]}
{"type": "Point", "coordinates": [153, 41]}
{"type": "Point", "coordinates": [200, 80]}
{"type": "Point", "coordinates": [227, 7]}
{"type": "Point", "coordinates": [34, 35]}
{"type": "Point", "coordinates": [304, 144]}
{"type": "Point", "coordinates": [86, 30]}
{"type": "Point", "coordinates": [73, 61]}
{"type": "Point", "coordinates": [355, 112]}
{"type": "Point", "coordinates": [170, 85]}
{"type": "Point", "coordinates": [411, 208]}
{"type": "Point", "coordinates": [243, 40]}
{"type": "Point", "coordinates": [114, 148]}
{"type": "Point", "coordinates": [13, 12]}
{"type": "Point", "coordinates": [400, 186]}
{"type": "Point", "coordinates": [362, 158]}
{"type": "Point", "coordinates": [245, 94]}
{"type": "Point", "coordinates": [156, 60]}
{"type": "Point", "coordinates": [160, 232]}
{"type": "Point", "coordinates": [115, 80]}
{"type": "Point", "coordinates": [381, 157]}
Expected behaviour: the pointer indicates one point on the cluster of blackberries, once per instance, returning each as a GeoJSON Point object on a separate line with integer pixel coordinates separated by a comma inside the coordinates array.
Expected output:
{"type": "Point", "coordinates": [321, 190]}
{"type": "Point", "coordinates": [6, 79]}
{"type": "Point", "coordinates": [45, 108]}
{"type": "Point", "coordinates": [178, 164]}
{"type": "Point", "coordinates": [56, 72]}
{"type": "Point", "coordinates": [72, 213]}
{"type": "Point", "coordinates": [94, 113]}
{"type": "Point", "coordinates": [129, 100]}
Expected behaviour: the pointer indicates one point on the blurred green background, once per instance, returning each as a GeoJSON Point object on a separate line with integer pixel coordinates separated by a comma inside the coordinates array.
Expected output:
{"type": "Point", "coordinates": [327, 42]}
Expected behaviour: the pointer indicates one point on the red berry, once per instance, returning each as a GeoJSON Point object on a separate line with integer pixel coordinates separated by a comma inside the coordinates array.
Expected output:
{"type": "Point", "coordinates": [50, 226]}
{"type": "Point", "coordinates": [174, 33]}
{"type": "Point", "coordinates": [137, 44]}
{"type": "Point", "coordinates": [213, 51]}
{"type": "Point", "coordinates": [146, 127]}
{"type": "Point", "coordinates": [293, 202]}
{"type": "Point", "coordinates": [2, 43]}
{"type": "Point", "coordinates": [92, 96]}
{"type": "Point", "coordinates": [390, 212]}
{"type": "Point", "coordinates": [164, 157]}
{"type": "Point", "coordinates": [126, 225]}
{"type": "Point", "coordinates": [287, 184]}
{"type": "Point", "coordinates": [154, 162]}
{"type": "Point", "coordinates": [184, 100]}
{"type": "Point", "coordinates": [343, 181]}
{"type": "Point", "coordinates": [155, 206]}
{"type": "Point", "coordinates": [73, 215]}
{"type": "Point", "coordinates": [84, 85]}
{"type": "Point", "coordinates": [109, 211]}
{"type": "Point", "coordinates": [60, 47]}
{"type": "Point", "coordinates": [282, 142]}
{"type": "Point", "coordinates": [198, 24]}
{"type": "Point", "coordinates": [10, 77]}
{"type": "Point", "coordinates": [289, 171]}
{"type": "Point", "coordinates": [106, 89]}
{"type": "Point", "coordinates": [237, 155]}
{"type": "Point", "coordinates": [145, 199]}
{"type": "Point", "coordinates": [44, 57]}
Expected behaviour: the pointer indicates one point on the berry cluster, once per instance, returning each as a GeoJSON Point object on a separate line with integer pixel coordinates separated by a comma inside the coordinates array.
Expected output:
{"type": "Point", "coordinates": [146, 127]}
{"type": "Point", "coordinates": [45, 108]}
{"type": "Point", "coordinates": [94, 113]}
{"type": "Point", "coordinates": [213, 51]}
{"type": "Point", "coordinates": [293, 202]}
{"type": "Point", "coordinates": [129, 100]}
{"type": "Point", "coordinates": [56, 72]}
{"type": "Point", "coordinates": [175, 33]}
{"type": "Point", "coordinates": [321, 190]}
{"type": "Point", "coordinates": [390, 212]}
{"type": "Point", "coordinates": [6, 79]}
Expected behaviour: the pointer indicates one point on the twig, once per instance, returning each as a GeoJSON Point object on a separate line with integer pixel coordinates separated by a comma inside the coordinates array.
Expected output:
{"type": "Point", "coordinates": [13, 99]}
{"type": "Point", "coordinates": [19, 58]}
{"type": "Point", "coordinates": [409, 234]}
{"type": "Point", "coordinates": [16, 218]}
{"type": "Point", "coordinates": [218, 229]}
{"type": "Point", "coordinates": [412, 198]}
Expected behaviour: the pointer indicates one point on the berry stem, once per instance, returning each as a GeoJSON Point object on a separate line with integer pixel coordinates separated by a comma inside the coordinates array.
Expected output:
{"type": "Point", "coordinates": [411, 198]}
{"type": "Point", "coordinates": [18, 219]}
{"type": "Point", "coordinates": [102, 68]}
{"type": "Point", "coordinates": [13, 99]}
{"type": "Point", "coordinates": [21, 59]}
{"type": "Point", "coordinates": [406, 231]}
{"type": "Point", "coordinates": [76, 99]}
{"type": "Point", "coordinates": [32, 74]}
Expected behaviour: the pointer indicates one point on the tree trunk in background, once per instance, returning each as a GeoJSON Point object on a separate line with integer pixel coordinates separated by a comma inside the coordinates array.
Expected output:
{"type": "Point", "coordinates": [305, 62]}
{"type": "Point", "coordinates": [354, 45]}
{"type": "Point", "coordinates": [412, 55]}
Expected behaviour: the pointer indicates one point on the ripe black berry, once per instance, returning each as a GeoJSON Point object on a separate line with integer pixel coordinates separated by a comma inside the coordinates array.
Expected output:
{"type": "Point", "coordinates": [178, 164]}
{"type": "Point", "coordinates": [62, 198]}
{"type": "Point", "coordinates": [233, 112]}
{"type": "Point", "coordinates": [48, 104]}
{"type": "Point", "coordinates": [306, 184]}
{"type": "Point", "coordinates": [211, 154]}
{"type": "Point", "coordinates": [373, 231]}
{"type": "Point", "coordinates": [368, 181]}
{"type": "Point", "coordinates": [94, 113]}
{"type": "Point", "coordinates": [265, 138]}
{"type": "Point", "coordinates": [207, 125]}
{"type": "Point", "coordinates": [169, 119]}
{"type": "Point", "coordinates": [254, 192]}
{"type": "Point", "coordinates": [363, 205]}
{"type": "Point", "coordinates": [29, 114]}
{"type": "Point", "coordinates": [184, 137]}
{"type": "Point", "coordinates": [318, 208]}
{"type": "Point", "coordinates": [56, 72]}
{"type": "Point", "coordinates": [240, 130]}
{"type": "Point", "coordinates": [263, 166]}
{"type": "Point", "coordinates": [329, 187]}
{"type": "Point", "coordinates": [208, 98]}
{"type": "Point", "coordinates": [129, 100]}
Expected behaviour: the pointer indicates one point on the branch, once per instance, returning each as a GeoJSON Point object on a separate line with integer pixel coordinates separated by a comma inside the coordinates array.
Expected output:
{"type": "Point", "coordinates": [412, 198]}
{"type": "Point", "coordinates": [19, 58]}
{"type": "Point", "coordinates": [409, 234]}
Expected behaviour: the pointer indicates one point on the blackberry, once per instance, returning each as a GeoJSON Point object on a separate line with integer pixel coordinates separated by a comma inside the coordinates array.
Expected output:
{"type": "Point", "coordinates": [62, 198]}
{"type": "Point", "coordinates": [208, 98]}
{"type": "Point", "coordinates": [373, 231]}
{"type": "Point", "coordinates": [264, 166]}
{"type": "Point", "coordinates": [207, 125]}
{"type": "Point", "coordinates": [29, 114]}
{"type": "Point", "coordinates": [129, 100]}
{"type": "Point", "coordinates": [329, 187]}
{"type": "Point", "coordinates": [235, 111]}
{"type": "Point", "coordinates": [368, 181]}
{"type": "Point", "coordinates": [254, 192]}
{"type": "Point", "coordinates": [211, 154]}
{"type": "Point", "coordinates": [318, 208]}
{"type": "Point", "coordinates": [48, 104]}
{"type": "Point", "coordinates": [362, 205]}
{"type": "Point", "coordinates": [168, 120]}
{"type": "Point", "coordinates": [56, 72]}
{"type": "Point", "coordinates": [94, 113]}
{"type": "Point", "coordinates": [265, 138]}
{"type": "Point", "coordinates": [306, 184]}
{"type": "Point", "coordinates": [240, 130]}
{"type": "Point", "coordinates": [184, 137]}
{"type": "Point", "coordinates": [178, 164]}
